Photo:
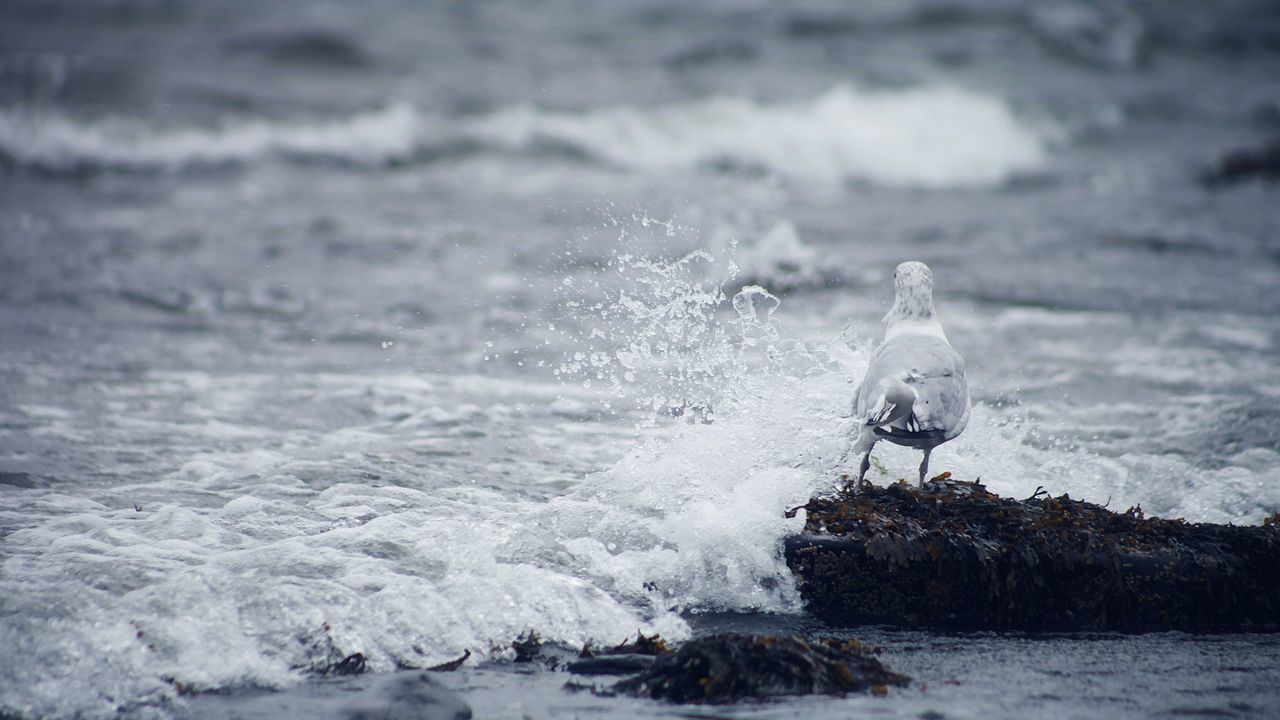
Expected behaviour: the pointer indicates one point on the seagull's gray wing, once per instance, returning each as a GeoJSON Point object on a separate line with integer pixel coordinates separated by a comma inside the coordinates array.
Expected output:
{"type": "Point", "coordinates": [933, 369]}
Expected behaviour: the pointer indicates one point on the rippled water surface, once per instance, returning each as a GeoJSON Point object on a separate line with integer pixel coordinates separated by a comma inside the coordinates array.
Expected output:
{"type": "Point", "coordinates": [404, 328]}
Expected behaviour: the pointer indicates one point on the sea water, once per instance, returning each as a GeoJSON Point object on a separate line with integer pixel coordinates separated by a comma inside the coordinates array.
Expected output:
{"type": "Point", "coordinates": [405, 332]}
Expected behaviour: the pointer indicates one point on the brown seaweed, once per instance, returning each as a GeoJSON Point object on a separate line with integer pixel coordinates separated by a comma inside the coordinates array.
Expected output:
{"type": "Point", "coordinates": [728, 667]}
{"type": "Point", "coordinates": [451, 665]}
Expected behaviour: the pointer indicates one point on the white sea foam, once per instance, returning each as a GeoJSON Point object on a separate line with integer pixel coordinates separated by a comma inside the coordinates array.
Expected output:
{"type": "Point", "coordinates": [937, 136]}
{"type": "Point", "coordinates": [247, 568]}
{"type": "Point", "coordinates": [56, 142]}
{"type": "Point", "coordinates": [933, 136]}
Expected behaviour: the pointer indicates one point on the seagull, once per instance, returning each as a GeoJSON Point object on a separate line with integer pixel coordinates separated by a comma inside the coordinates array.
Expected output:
{"type": "Point", "coordinates": [914, 392]}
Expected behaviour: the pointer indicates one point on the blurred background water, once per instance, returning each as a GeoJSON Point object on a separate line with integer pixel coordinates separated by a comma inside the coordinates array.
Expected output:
{"type": "Point", "coordinates": [404, 327]}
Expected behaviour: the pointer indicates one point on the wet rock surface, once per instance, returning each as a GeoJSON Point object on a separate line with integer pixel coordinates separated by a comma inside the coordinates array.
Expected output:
{"type": "Point", "coordinates": [728, 667]}
{"type": "Point", "coordinates": [610, 664]}
{"type": "Point", "coordinates": [629, 656]}
{"type": "Point", "coordinates": [954, 555]}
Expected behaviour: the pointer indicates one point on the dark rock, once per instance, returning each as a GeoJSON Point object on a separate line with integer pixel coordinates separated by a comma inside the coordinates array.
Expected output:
{"type": "Point", "coordinates": [1261, 163]}
{"type": "Point", "coordinates": [353, 664]}
{"type": "Point", "coordinates": [954, 555]}
{"type": "Point", "coordinates": [728, 667]}
{"type": "Point", "coordinates": [610, 664]}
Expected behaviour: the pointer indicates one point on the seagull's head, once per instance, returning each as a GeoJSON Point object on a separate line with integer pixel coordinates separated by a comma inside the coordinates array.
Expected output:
{"type": "Point", "coordinates": [913, 292]}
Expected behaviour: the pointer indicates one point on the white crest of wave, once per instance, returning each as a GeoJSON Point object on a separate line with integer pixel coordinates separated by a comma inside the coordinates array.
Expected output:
{"type": "Point", "coordinates": [930, 137]}
{"type": "Point", "coordinates": [56, 142]}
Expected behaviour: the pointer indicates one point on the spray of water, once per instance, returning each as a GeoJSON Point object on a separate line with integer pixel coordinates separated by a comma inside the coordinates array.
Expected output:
{"type": "Point", "coordinates": [692, 517]}
{"type": "Point", "coordinates": [664, 336]}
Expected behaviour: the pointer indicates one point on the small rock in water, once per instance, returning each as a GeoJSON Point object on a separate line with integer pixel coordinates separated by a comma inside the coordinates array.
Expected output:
{"type": "Point", "coordinates": [353, 664]}
{"type": "Point", "coordinates": [728, 667]}
{"type": "Point", "coordinates": [611, 664]}
{"type": "Point", "coordinates": [1260, 163]}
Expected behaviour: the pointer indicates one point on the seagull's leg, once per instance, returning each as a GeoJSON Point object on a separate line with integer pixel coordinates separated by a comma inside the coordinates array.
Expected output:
{"type": "Point", "coordinates": [843, 462]}
{"type": "Point", "coordinates": [866, 441]}
{"type": "Point", "coordinates": [866, 463]}
{"type": "Point", "coordinates": [924, 465]}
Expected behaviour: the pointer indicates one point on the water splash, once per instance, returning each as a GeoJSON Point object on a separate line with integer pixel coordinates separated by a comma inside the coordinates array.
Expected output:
{"type": "Point", "coordinates": [646, 331]}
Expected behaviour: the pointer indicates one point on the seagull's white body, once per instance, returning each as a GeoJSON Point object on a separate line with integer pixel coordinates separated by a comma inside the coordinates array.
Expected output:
{"type": "Point", "coordinates": [914, 392]}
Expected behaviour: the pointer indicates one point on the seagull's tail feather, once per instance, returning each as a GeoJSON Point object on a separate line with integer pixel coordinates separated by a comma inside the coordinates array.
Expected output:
{"type": "Point", "coordinates": [894, 404]}
{"type": "Point", "coordinates": [881, 413]}
{"type": "Point", "coordinates": [911, 438]}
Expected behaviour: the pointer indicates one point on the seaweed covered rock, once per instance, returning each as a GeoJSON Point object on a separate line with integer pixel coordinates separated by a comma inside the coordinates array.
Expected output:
{"type": "Point", "coordinates": [954, 555]}
{"type": "Point", "coordinates": [727, 667]}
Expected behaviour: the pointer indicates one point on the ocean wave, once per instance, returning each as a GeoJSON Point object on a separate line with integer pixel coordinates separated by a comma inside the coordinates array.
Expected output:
{"type": "Point", "coordinates": [56, 143]}
{"type": "Point", "coordinates": [927, 137]}
{"type": "Point", "coordinates": [932, 137]}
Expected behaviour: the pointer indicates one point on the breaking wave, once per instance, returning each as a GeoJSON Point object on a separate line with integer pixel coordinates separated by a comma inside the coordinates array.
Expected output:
{"type": "Point", "coordinates": [926, 137]}
{"type": "Point", "coordinates": [931, 137]}
{"type": "Point", "coordinates": [52, 142]}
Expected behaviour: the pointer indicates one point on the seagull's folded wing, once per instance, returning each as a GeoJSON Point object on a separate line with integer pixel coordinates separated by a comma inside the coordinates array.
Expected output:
{"type": "Point", "coordinates": [942, 392]}
{"type": "Point", "coordinates": [933, 369]}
